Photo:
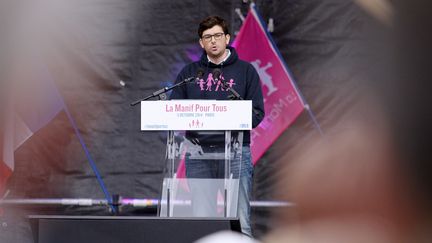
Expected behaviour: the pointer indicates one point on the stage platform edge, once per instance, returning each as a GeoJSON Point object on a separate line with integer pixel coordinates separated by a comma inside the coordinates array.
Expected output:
{"type": "Point", "coordinates": [123, 229]}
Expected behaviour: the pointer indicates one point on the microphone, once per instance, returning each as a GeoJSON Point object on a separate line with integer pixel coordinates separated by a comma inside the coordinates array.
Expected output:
{"type": "Point", "coordinates": [217, 77]}
{"type": "Point", "coordinates": [234, 94]}
{"type": "Point", "coordinates": [216, 74]}
{"type": "Point", "coordinates": [200, 73]}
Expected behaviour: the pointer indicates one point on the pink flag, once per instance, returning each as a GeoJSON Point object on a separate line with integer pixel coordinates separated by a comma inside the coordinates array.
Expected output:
{"type": "Point", "coordinates": [282, 101]}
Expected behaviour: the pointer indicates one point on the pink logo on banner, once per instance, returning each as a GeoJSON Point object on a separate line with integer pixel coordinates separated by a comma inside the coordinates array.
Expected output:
{"type": "Point", "coordinates": [196, 124]}
{"type": "Point", "coordinates": [281, 99]}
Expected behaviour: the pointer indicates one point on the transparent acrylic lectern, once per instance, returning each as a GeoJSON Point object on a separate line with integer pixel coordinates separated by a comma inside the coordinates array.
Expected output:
{"type": "Point", "coordinates": [202, 178]}
{"type": "Point", "coordinates": [203, 154]}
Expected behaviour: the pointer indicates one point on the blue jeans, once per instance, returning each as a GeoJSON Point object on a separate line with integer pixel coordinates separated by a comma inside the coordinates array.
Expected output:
{"type": "Point", "coordinates": [215, 169]}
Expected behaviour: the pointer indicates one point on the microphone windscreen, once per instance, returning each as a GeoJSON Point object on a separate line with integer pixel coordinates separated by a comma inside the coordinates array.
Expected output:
{"type": "Point", "coordinates": [200, 73]}
{"type": "Point", "coordinates": [216, 73]}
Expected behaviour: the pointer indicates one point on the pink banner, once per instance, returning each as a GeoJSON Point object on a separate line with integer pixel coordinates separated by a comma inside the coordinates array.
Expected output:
{"type": "Point", "coordinates": [282, 100]}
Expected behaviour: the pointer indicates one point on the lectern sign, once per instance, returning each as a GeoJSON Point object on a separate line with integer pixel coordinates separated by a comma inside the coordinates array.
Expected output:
{"type": "Point", "coordinates": [196, 115]}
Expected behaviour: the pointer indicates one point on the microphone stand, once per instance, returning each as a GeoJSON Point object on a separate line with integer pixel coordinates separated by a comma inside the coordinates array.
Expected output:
{"type": "Point", "coordinates": [234, 95]}
{"type": "Point", "coordinates": [162, 92]}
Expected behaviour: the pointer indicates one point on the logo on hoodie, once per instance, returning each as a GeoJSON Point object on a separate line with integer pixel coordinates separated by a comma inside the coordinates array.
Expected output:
{"type": "Point", "coordinates": [211, 84]}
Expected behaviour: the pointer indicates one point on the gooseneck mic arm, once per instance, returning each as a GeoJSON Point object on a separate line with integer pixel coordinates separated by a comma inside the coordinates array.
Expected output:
{"type": "Point", "coordinates": [234, 95]}
{"type": "Point", "coordinates": [162, 92]}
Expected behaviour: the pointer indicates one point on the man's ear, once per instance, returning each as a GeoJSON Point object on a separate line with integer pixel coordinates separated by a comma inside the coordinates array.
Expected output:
{"type": "Point", "coordinates": [201, 43]}
{"type": "Point", "coordinates": [227, 37]}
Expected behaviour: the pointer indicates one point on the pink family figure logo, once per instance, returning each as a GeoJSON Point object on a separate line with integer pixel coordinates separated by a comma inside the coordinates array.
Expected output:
{"type": "Point", "coordinates": [219, 84]}
{"type": "Point", "coordinates": [266, 78]}
{"type": "Point", "coordinates": [231, 83]}
{"type": "Point", "coordinates": [210, 82]}
{"type": "Point", "coordinates": [206, 85]}
{"type": "Point", "coordinates": [201, 84]}
{"type": "Point", "coordinates": [195, 124]}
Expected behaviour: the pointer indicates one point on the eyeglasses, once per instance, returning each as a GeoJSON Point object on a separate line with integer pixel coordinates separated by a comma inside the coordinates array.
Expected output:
{"type": "Point", "coordinates": [216, 36]}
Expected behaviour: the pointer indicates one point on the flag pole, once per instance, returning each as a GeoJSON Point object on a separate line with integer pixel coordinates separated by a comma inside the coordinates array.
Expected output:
{"type": "Point", "coordinates": [83, 145]}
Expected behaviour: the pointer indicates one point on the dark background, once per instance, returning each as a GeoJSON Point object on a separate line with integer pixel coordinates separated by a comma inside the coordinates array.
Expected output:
{"type": "Point", "coordinates": [90, 45]}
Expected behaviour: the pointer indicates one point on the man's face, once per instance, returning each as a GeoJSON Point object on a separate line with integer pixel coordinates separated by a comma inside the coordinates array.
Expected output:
{"type": "Point", "coordinates": [214, 41]}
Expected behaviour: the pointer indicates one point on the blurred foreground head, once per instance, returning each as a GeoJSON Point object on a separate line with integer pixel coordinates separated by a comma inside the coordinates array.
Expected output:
{"type": "Point", "coordinates": [346, 188]}
{"type": "Point", "coordinates": [370, 178]}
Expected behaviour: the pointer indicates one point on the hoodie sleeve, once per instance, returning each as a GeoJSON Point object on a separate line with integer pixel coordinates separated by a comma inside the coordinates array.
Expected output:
{"type": "Point", "coordinates": [254, 93]}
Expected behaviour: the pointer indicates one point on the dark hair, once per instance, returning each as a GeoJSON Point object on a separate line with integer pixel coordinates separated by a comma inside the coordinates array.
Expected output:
{"type": "Point", "coordinates": [211, 21]}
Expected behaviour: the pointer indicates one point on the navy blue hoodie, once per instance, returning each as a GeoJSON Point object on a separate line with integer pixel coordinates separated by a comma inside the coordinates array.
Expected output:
{"type": "Point", "coordinates": [238, 74]}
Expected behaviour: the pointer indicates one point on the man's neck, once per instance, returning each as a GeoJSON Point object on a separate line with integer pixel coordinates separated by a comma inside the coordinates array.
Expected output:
{"type": "Point", "coordinates": [221, 58]}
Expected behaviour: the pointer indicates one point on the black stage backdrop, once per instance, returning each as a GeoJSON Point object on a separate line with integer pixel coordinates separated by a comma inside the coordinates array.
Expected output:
{"type": "Point", "coordinates": [92, 46]}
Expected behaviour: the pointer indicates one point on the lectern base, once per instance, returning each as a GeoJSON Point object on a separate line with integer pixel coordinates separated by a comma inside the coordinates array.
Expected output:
{"type": "Point", "coordinates": [119, 229]}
